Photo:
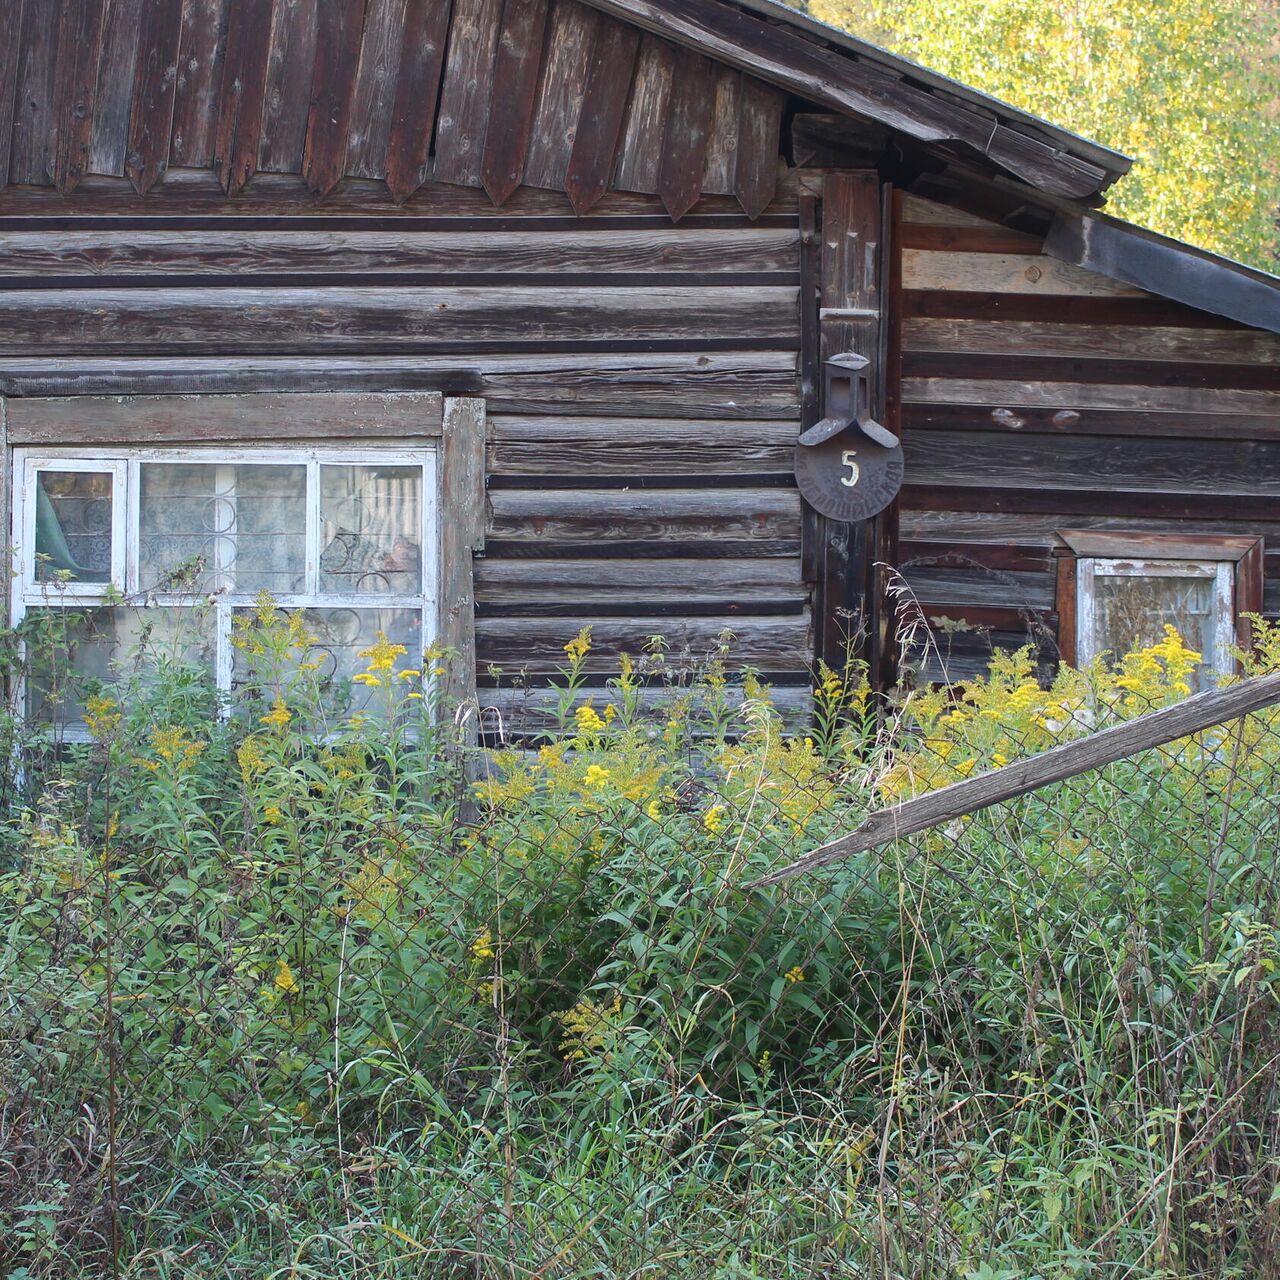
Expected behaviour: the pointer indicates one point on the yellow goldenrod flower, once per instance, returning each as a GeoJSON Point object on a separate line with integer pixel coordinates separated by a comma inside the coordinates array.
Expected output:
{"type": "Point", "coordinates": [714, 817]}
{"type": "Point", "coordinates": [365, 678]}
{"type": "Point", "coordinates": [587, 719]}
{"type": "Point", "coordinates": [278, 716]}
{"type": "Point", "coordinates": [597, 776]}
{"type": "Point", "coordinates": [794, 974]}
{"type": "Point", "coordinates": [654, 811]}
{"type": "Point", "coordinates": [579, 646]}
{"type": "Point", "coordinates": [408, 673]}
{"type": "Point", "coordinates": [285, 981]}
{"type": "Point", "coordinates": [416, 696]}
{"type": "Point", "coordinates": [101, 715]}
{"type": "Point", "coordinates": [482, 947]}
{"type": "Point", "coordinates": [382, 655]}
{"type": "Point", "coordinates": [273, 815]}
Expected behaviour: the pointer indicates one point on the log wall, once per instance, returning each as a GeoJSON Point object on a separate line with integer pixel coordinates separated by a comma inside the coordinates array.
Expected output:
{"type": "Point", "coordinates": [1037, 396]}
{"type": "Point", "coordinates": [640, 381]}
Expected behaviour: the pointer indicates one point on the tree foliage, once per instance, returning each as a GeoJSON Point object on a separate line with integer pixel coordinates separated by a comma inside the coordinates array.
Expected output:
{"type": "Point", "coordinates": [1189, 88]}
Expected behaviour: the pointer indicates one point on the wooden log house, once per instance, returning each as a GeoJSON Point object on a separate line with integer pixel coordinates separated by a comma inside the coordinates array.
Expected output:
{"type": "Point", "coordinates": [486, 320]}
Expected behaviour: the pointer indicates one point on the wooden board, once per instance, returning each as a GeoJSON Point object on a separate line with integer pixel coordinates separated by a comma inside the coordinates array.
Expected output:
{"type": "Point", "coordinates": [202, 418]}
{"type": "Point", "coordinates": [571, 39]}
{"type": "Point", "coordinates": [31, 155]}
{"type": "Point", "coordinates": [683, 163]}
{"type": "Point", "coordinates": [375, 88]}
{"type": "Point", "coordinates": [1006, 273]}
{"type": "Point", "coordinates": [11, 16]}
{"type": "Point", "coordinates": [640, 153]}
{"type": "Point", "coordinates": [665, 251]}
{"type": "Point", "coordinates": [243, 93]}
{"type": "Point", "coordinates": [285, 319]}
{"type": "Point", "coordinates": [689, 383]}
{"type": "Point", "coordinates": [195, 99]}
{"type": "Point", "coordinates": [151, 122]}
{"type": "Point", "coordinates": [466, 94]}
{"type": "Point", "coordinates": [290, 71]}
{"type": "Point", "coordinates": [75, 89]}
{"type": "Point", "coordinates": [515, 81]}
{"type": "Point", "coordinates": [339, 32]}
{"type": "Point", "coordinates": [413, 109]}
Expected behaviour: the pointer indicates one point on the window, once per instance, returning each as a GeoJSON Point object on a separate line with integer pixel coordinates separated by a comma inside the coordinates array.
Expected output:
{"type": "Point", "coordinates": [181, 542]}
{"type": "Point", "coordinates": [1117, 592]}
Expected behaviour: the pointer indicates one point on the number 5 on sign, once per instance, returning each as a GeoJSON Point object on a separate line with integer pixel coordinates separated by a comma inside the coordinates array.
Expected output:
{"type": "Point", "coordinates": [847, 460]}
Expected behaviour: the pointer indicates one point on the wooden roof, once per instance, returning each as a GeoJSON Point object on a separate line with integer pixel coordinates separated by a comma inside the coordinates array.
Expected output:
{"type": "Point", "coordinates": [675, 97]}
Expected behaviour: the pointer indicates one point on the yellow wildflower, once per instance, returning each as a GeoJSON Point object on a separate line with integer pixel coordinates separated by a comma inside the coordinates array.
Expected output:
{"type": "Point", "coordinates": [273, 815]}
{"type": "Point", "coordinates": [999, 759]}
{"type": "Point", "coordinates": [382, 655]}
{"type": "Point", "coordinates": [409, 673]}
{"type": "Point", "coordinates": [588, 720]}
{"type": "Point", "coordinates": [597, 776]}
{"type": "Point", "coordinates": [579, 646]}
{"type": "Point", "coordinates": [174, 745]}
{"type": "Point", "coordinates": [285, 981]}
{"type": "Point", "coordinates": [278, 716]}
{"type": "Point", "coordinates": [654, 811]}
{"type": "Point", "coordinates": [365, 678]}
{"type": "Point", "coordinates": [482, 947]}
{"type": "Point", "coordinates": [101, 715]}
{"type": "Point", "coordinates": [713, 819]}
{"type": "Point", "coordinates": [794, 974]}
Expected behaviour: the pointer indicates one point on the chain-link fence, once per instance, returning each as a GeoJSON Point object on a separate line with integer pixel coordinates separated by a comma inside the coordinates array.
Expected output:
{"type": "Point", "coordinates": [295, 993]}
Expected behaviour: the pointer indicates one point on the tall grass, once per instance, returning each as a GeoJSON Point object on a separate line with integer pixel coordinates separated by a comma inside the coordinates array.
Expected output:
{"type": "Point", "coordinates": [288, 992]}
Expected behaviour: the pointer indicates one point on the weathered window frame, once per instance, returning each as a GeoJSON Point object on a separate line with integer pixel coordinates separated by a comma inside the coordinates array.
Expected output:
{"type": "Point", "coordinates": [1235, 562]}
{"type": "Point", "coordinates": [356, 427]}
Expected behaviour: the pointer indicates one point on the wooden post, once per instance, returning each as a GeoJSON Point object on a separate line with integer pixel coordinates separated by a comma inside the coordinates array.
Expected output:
{"type": "Point", "coordinates": [850, 319]}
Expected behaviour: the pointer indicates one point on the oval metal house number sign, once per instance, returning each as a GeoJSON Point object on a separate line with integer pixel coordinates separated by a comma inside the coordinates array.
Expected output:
{"type": "Point", "coordinates": [849, 477]}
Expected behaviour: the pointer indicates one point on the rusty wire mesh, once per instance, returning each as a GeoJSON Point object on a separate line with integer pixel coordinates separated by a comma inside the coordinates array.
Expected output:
{"type": "Point", "coordinates": [373, 1002]}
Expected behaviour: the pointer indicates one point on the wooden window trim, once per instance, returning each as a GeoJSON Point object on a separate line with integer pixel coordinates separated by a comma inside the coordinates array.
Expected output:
{"type": "Point", "coordinates": [1245, 552]}
{"type": "Point", "coordinates": [352, 419]}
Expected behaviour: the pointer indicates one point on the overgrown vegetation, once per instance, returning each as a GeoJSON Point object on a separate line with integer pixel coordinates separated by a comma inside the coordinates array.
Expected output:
{"type": "Point", "coordinates": [266, 986]}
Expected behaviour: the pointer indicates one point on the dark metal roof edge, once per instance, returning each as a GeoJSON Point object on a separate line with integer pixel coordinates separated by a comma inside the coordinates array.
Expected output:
{"type": "Point", "coordinates": [1115, 162]}
{"type": "Point", "coordinates": [1162, 265]}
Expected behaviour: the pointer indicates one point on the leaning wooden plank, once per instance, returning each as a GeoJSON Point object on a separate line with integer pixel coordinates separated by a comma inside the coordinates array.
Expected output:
{"type": "Point", "coordinates": [31, 156]}
{"type": "Point", "coordinates": [291, 63]}
{"type": "Point", "coordinates": [413, 110]}
{"type": "Point", "coordinates": [244, 84]}
{"type": "Point", "coordinates": [195, 97]}
{"type": "Point", "coordinates": [604, 106]}
{"type": "Point", "coordinates": [759, 128]}
{"type": "Point", "coordinates": [571, 39]}
{"type": "Point", "coordinates": [972, 795]}
{"type": "Point", "coordinates": [75, 87]}
{"type": "Point", "coordinates": [10, 43]}
{"type": "Point", "coordinates": [333, 79]}
{"type": "Point", "coordinates": [688, 127]}
{"type": "Point", "coordinates": [466, 95]}
{"type": "Point", "coordinates": [151, 121]}
{"type": "Point", "coordinates": [375, 89]}
{"type": "Point", "coordinates": [515, 82]}
{"type": "Point", "coordinates": [92, 420]}
{"type": "Point", "coordinates": [664, 250]}
{"type": "Point", "coordinates": [640, 154]}
{"type": "Point", "coordinates": [113, 103]}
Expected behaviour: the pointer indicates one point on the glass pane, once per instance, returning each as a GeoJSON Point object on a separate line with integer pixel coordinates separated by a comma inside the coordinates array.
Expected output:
{"type": "Point", "coordinates": [73, 651]}
{"type": "Point", "coordinates": [371, 530]}
{"type": "Point", "coordinates": [205, 526]}
{"type": "Point", "coordinates": [73, 526]}
{"type": "Point", "coordinates": [340, 634]}
{"type": "Point", "coordinates": [1131, 612]}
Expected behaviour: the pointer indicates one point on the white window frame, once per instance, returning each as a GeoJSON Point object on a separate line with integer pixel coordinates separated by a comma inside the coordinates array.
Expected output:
{"type": "Point", "coordinates": [125, 466]}
{"type": "Point", "coordinates": [1220, 572]}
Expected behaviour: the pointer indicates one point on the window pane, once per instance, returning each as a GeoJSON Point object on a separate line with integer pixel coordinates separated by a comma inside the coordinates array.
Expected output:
{"type": "Point", "coordinates": [1131, 612]}
{"type": "Point", "coordinates": [73, 526]}
{"type": "Point", "coordinates": [74, 650]}
{"type": "Point", "coordinates": [371, 530]}
{"type": "Point", "coordinates": [205, 526]}
{"type": "Point", "coordinates": [340, 634]}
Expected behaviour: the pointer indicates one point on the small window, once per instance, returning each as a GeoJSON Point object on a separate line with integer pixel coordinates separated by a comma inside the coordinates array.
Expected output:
{"type": "Point", "coordinates": [180, 542]}
{"type": "Point", "coordinates": [1126, 604]}
{"type": "Point", "coordinates": [1118, 592]}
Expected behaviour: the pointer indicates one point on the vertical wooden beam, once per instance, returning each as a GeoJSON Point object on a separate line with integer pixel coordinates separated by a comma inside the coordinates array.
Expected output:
{"type": "Point", "coordinates": [810, 367]}
{"type": "Point", "coordinates": [7, 540]}
{"type": "Point", "coordinates": [155, 82]}
{"type": "Point", "coordinates": [1066, 599]}
{"type": "Point", "coordinates": [413, 109]}
{"type": "Point", "coordinates": [462, 528]}
{"type": "Point", "coordinates": [515, 83]}
{"type": "Point", "coordinates": [604, 107]}
{"type": "Point", "coordinates": [243, 92]}
{"type": "Point", "coordinates": [75, 87]}
{"type": "Point", "coordinates": [1249, 586]}
{"type": "Point", "coordinates": [10, 43]}
{"type": "Point", "coordinates": [850, 320]}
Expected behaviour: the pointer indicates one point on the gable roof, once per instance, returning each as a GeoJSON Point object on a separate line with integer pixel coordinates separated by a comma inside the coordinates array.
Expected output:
{"type": "Point", "coordinates": [401, 90]}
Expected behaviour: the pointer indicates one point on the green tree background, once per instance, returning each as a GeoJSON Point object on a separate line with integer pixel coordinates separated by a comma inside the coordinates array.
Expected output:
{"type": "Point", "coordinates": [1189, 88]}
